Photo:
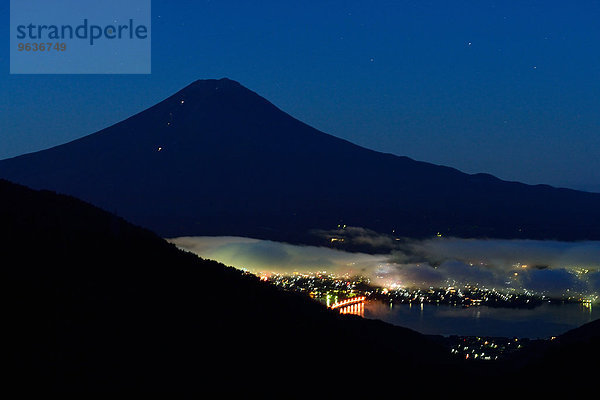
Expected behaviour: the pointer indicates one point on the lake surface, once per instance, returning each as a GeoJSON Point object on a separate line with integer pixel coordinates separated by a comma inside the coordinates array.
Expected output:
{"type": "Point", "coordinates": [540, 322]}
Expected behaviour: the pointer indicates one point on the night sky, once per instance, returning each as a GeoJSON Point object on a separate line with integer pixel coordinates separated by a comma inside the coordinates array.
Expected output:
{"type": "Point", "coordinates": [507, 88]}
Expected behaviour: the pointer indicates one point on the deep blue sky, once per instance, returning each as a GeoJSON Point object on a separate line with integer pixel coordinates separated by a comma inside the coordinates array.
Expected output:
{"type": "Point", "coordinates": [510, 88]}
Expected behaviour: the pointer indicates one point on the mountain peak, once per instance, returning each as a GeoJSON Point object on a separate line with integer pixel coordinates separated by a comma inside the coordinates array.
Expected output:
{"type": "Point", "coordinates": [214, 84]}
{"type": "Point", "coordinates": [222, 81]}
{"type": "Point", "coordinates": [213, 95]}
{"type": "Point", "coordinates": [223, 84]}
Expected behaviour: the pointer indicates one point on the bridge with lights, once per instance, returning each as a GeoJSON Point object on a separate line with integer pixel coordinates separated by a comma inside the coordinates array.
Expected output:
{"type": "Point", "coordinates": [353, 305]}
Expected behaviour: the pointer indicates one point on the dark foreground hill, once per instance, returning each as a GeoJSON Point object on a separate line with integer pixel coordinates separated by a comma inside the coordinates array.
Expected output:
{"type": "Point", "coordinates": [569, 359]}
{"type": "Point", "coordinates": [93, 303]}
{"type": "Point", "coordinates": [218, 159]}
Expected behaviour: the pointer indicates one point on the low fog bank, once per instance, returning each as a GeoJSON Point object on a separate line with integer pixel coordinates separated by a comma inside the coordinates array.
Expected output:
{"type": "Point", "coordinates": [543, 266]}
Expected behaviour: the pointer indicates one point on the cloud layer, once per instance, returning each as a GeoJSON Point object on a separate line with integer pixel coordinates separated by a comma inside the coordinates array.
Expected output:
{"type": "Point", "coordinates": [542, 266]}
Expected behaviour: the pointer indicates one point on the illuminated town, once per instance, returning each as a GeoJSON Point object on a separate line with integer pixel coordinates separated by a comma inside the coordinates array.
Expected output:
{"type": "Point", "coordinates": [348, 295]}
{"type": "Point", "coordinates": [330, 289]}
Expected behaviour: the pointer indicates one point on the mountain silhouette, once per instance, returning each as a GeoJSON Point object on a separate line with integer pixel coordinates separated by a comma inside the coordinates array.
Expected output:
{"type": "Point", "coordinates": [218, 159]}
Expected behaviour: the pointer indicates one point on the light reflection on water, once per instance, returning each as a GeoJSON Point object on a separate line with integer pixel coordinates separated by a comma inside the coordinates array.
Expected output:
{"type": "Point", "coordinates": [540, 322]}
{"type": "Point", "coordinates": [354, 309]}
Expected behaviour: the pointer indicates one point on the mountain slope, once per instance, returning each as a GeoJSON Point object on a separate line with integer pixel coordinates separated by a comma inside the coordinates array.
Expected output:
{"type": "Point", "coordinates": [559, 363]}
{"type": "Point", "coordinates": [93, 303]}
{"type": "Point", "coordinates": [218, 159]}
